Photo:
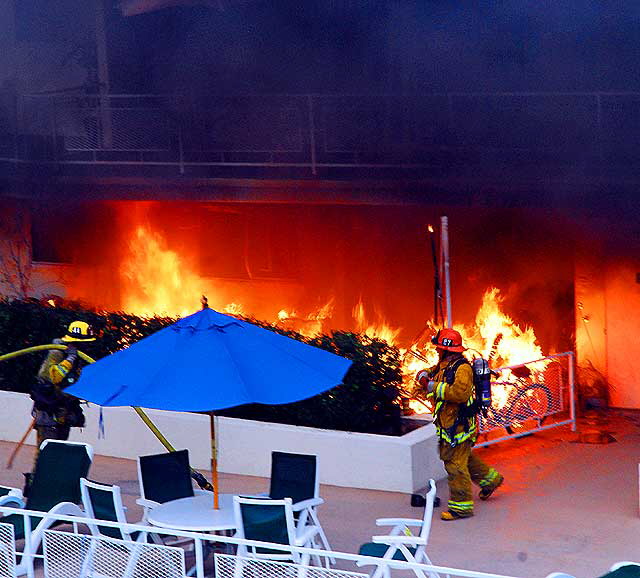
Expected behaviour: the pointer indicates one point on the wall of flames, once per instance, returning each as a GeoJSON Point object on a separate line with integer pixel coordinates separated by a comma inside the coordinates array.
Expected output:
{"type": "Point", "coordinates": [155, 279]}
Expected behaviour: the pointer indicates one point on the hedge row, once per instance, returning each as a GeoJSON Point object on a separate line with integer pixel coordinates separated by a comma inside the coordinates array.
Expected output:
{"type": "Point", "coordinates": [366, 401]}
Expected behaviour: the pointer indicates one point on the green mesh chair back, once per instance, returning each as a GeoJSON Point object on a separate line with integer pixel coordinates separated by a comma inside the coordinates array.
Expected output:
{"type": "Point", "coordinates": [265, 523]}
{"type": "Point", "coordinates": [57, 475]}
{"type": "Point", "coordinates": [103, 502]}
{"type": "Point", "coordinates": [293, 476]}
{"type": "Point", "coordinates": [56, 479]}
{"type": "Point", "coordinates": [165, 477]}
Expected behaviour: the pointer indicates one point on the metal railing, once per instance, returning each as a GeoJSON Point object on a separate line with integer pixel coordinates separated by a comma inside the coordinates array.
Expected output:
{"type": "Point", "coordinates": [530, 397]}
{"type": "Point", "coordinates": [204, 543]}
{"type": "Point", "coordinates": [441, 132]}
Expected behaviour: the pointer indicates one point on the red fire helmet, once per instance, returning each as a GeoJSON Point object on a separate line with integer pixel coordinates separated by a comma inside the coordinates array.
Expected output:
{"type": "Point", "coordinates": [448, 339]}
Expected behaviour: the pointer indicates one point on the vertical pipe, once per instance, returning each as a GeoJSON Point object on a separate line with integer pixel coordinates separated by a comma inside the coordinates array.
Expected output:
{"type": "Point", "coordinates": [28, 553]}
{"type": "Point", "coordinates": [214, 460]}
{"type": "Point", "coordinates": [436, 288]}
{"type": "Point", "coordinates": [180, 149]}
{"type": "Point", "coordinates": [312, 135]}
{"type": "Point", "coordinates": [444, 227]}
{"type": "Point", "coordinates": [572, 396]}
{"type": "Point", "coordinates": [102, 56]}
{"type": "Point", "coordinates": [197, 544]}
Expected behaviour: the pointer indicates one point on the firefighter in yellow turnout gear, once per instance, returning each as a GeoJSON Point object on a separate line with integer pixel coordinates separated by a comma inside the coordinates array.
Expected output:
{"type": "Point", "coordinates": [452, 392]}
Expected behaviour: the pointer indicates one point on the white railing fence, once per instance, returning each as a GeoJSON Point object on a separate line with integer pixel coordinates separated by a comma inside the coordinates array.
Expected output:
{"type": "Point", "coordinates": [7, 551]}
{"type": "Point", "coordinates": [70, 555]}
{"type": "Point", "coordinates": [66, 554]}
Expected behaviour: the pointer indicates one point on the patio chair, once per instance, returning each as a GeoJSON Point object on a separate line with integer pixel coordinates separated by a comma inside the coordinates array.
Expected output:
{"type": "Point", "coordinates": [7, 552]}
{"type": "Point", "coordinates": [265, 520]}
{"type": "Point", "coordinates": [400, 543]}
{"type": "Point", "coordinates": [69, 555]}
{"type": "Point", "coordinates": [164, 477]}
{"type": "Point", "coordinates": [623, 569]}
{"type": "Point", "coordinates": [296, 476]}
{"type": "Point", "coordinates": [104, 502]}
{"type": "Point", "coordinates": [55, 490]}
{"type": "Point", "coordinates": [11, 497]}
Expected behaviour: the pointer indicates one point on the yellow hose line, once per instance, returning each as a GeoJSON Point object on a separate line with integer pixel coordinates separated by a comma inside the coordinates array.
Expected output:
{"type": "Point", "coordinates": [147, 420]}
{"type": "Point", "coordinates": [37, 348]}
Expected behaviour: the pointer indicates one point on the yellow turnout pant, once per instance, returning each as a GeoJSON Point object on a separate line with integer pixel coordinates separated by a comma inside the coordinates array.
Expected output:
{"type": "Point", "coordinates": [463, 467]}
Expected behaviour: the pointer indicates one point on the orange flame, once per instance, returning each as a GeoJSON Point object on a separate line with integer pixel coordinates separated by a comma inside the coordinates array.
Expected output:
{"type": "Point", "coordinates": [156, 280]}
{"type": "Point", "coordinates": [308, 325]}
{"type": "Point", "coordinates": [378, 329]}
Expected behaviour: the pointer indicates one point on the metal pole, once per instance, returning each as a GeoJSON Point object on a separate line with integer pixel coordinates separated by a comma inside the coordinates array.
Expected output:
{"type": "Point", "coordinates": [436, 280]}
{"type": "Point", "coordinates": [104, 87]}
{"type": "Point", "coordinates": [444, 227]}
{"type": "Point", "coordinates": [214, 461]}
{"type": "Point", "coordinates": [572, 397]}
{"type": "Point", "coordinates": [312, 135]}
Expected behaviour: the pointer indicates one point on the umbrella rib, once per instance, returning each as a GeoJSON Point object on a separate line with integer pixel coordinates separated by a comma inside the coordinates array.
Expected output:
{"type": "Point", "coordinates": [235, 364]}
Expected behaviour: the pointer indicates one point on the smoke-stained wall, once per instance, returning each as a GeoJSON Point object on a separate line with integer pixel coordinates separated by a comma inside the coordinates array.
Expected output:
{"type": "Point", "coordinates": [397, 46]}
{"type": "Point", "coordinates": [47, 46]}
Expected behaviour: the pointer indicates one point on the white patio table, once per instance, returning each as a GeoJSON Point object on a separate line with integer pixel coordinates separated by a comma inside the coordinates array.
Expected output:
{"type": "Point", "coordinates": [195, 514]}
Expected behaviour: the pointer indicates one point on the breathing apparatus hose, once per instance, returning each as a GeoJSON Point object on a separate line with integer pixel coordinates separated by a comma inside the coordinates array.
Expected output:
{"type": "Point", "coordinates": [197, 476]}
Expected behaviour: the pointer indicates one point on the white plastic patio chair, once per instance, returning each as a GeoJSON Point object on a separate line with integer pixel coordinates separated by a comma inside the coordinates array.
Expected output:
{"type": "Point", "coordinates": [7, 551]}
{"type": "Point", "coordinates": [296, 476]}
{"type": "Point", "coordinates": [622, 563]}
{"type": "Point", "coordinates": [68, 555]}
{"type": "Point", "coordinates": [265, 520]}
{"type": "Point", "coordinates": [400, 543]}
{"type": "Point", "coordinates": [11, 497]}
{"type": "Point", "coordinates": [55, 490]}
{"type": "Point", "coordinates": [104, 502]}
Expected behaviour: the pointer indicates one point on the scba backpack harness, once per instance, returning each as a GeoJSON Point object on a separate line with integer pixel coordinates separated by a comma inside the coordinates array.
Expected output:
{"type": "Point", "coordinates": [481, 398]}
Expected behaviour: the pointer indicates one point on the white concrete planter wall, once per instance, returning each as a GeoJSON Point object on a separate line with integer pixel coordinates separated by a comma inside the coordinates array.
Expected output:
{"type": "Point", "coordinates": [356, 460]}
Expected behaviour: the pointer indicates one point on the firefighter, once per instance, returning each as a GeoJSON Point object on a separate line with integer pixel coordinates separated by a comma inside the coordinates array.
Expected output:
{"type": "Point", "coordinates": [449, 386]}
{"type": "Point", "coordinates": [54, 411]}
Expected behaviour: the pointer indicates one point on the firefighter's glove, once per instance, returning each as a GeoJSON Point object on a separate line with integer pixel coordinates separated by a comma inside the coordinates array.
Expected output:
{"type": "Point", "coordinates": [424, 379]}
{"type": "Point", "coordinates": [72, 354]}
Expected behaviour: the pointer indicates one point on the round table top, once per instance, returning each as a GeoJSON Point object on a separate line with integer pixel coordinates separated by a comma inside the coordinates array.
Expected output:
{"type": "Point", "coordinates": [195, 513]}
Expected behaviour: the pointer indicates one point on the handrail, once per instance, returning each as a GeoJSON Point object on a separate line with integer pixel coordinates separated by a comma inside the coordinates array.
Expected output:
{"type": "Point", "coordinates": [68, 131]}
{"type": "Point", "coordinates": [201, 537]}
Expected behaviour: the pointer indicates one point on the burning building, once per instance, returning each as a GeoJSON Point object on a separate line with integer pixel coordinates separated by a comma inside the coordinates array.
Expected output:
{"type": "Point", "coordinates": [523, 285]}
{"type": "Point", "coordinates": [139, 174]}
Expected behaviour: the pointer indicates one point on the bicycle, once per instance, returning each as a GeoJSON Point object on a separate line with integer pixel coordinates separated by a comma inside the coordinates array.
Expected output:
{"type": "Point", "coordinates": [528, 402]}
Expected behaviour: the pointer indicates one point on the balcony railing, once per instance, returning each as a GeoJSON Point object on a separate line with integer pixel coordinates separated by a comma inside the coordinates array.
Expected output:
{"type": "Point", "coordinates": [437, 134]}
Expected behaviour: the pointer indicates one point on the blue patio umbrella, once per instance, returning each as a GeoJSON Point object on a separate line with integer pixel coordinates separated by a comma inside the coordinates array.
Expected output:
{"type": "Point", "coordinates": [210, 361]}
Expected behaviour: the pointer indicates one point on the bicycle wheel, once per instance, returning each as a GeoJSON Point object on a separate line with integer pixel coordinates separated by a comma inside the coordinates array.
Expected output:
{"type": "Point", "coordinates": [533, 402]}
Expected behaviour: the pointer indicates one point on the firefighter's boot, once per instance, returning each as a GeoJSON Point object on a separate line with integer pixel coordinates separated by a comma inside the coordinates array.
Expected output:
{"type": "Point", "coordinates": [486, 491]}
{"type": "Point", "coordinates": [453, 515]}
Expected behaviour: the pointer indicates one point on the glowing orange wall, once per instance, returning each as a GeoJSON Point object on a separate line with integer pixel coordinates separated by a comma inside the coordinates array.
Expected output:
{"type": "Point", "coordinates": [623, 340]}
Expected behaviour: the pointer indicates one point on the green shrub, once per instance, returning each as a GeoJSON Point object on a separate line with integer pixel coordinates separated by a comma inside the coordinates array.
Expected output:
{"type": "Point", "coordinates": [366, 401]}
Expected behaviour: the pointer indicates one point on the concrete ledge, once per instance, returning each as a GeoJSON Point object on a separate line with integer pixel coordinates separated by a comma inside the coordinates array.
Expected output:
{"type": "Point", "coordinates": [356, 460]}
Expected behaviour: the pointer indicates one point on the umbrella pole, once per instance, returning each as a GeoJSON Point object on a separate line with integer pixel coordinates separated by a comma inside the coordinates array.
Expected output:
{"type": "Point", "coordinates": [214, 460]}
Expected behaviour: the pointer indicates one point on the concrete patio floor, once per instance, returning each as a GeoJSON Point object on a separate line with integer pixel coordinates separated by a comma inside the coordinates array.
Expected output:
{"type": "Point", "coordinates": [565, 506]}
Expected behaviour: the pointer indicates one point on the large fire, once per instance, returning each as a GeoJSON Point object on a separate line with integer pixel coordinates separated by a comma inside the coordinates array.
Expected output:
{"type": "Point", "coordinates": [156, 280]}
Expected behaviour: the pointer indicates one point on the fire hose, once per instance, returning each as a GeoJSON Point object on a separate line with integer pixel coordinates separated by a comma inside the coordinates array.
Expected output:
{"type": "Point", "coordinates": [197, 476]}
